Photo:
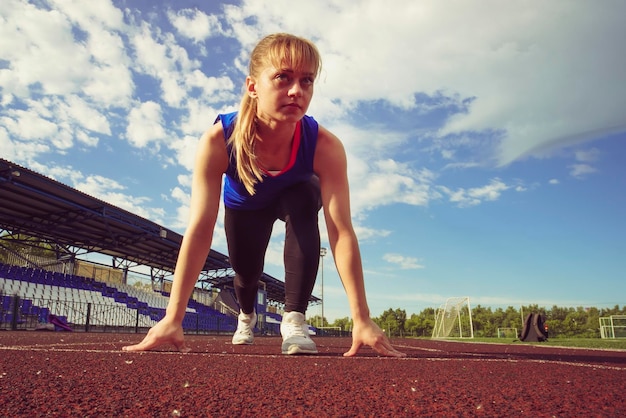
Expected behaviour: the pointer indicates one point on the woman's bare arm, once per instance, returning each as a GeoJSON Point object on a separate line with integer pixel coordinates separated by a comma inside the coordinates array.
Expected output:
{"type": "Point", "coordinates": [331, 167]}
{"type": "Point", "coordinates": [211, 163]}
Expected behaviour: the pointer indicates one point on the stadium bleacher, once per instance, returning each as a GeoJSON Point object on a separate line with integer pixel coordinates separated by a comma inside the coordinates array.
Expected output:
{"type": "Point", "coordinates": [87, 304]}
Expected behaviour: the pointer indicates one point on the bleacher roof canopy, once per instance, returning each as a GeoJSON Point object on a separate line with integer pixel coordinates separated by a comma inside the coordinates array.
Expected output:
{"type": "Point", "coordinates": [38, 206]}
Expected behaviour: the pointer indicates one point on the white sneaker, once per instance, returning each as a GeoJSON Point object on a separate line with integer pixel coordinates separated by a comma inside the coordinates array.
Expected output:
{"type": "Point", "coordinates": [245, 329]}
{"type": "Point", "coordinates": [295, 332]}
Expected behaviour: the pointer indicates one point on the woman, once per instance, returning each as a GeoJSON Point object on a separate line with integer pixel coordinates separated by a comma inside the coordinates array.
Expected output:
{"type": "Point", "coordinates": [279, 164]}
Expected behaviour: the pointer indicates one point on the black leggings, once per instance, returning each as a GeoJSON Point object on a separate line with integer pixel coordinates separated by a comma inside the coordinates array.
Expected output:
{"type": "Point", "coordinates": [248, 234]}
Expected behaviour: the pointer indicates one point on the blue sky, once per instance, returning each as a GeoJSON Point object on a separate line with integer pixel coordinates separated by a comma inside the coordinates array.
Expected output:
{"type": "Point", "coordinates": [485, 138]}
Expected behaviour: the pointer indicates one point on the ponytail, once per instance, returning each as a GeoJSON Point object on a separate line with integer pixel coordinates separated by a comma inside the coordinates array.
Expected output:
{"type": "Point", "coordinates": [242, 141]}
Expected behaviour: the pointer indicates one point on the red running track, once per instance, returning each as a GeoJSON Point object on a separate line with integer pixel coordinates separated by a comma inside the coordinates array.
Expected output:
{"type": "Point", "coordinates": [87, 375]}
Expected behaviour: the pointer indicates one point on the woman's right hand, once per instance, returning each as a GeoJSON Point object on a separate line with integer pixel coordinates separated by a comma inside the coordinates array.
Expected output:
{"type": "Point", "coordinates": [164, 332]}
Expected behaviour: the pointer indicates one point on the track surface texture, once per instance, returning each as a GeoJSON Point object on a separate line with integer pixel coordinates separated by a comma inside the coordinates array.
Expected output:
{"type": "Point", "coordinates": [87, 375]}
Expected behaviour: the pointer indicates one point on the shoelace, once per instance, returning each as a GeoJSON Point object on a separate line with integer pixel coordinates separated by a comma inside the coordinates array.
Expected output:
{"type": "Point", "coordinates": [295, 329]}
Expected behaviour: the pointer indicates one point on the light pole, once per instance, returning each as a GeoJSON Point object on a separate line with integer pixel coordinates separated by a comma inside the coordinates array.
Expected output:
{"type": "Point", "coordinates": [323, 252]}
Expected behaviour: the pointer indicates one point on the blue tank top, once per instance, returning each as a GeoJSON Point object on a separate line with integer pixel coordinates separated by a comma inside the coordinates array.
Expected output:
{"type": "Point", "coordinates": [235, 194]}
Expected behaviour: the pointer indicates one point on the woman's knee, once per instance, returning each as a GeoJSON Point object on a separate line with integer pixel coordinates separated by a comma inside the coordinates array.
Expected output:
{"type": "Point", "coordinates": [246, 282]}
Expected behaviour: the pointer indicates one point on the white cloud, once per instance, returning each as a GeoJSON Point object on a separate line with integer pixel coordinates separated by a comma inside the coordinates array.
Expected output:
{"type": "Point", "coordinates": [105, 189]}
{"type": "Point", "coordinates": [63, 174]}
{"type": "Point", "coordinates": [584, 158]}
{"type": "Point", "coordinates": [100, 13]}
{"type": "Point", "coordinates": [377, 179]}
{"type": "Point", "coordinates": [491, 192]}
{"type": "Point", "coordinates": [589, 155]}
{"type": "Point", "coordinates": [212, 89]}
{"type": "Point", "coordinates": [476, 195]}
{"type": "Point", "coordinates": [9, 150]}
{"type": "Point", "coordinates": [75, 110]}
{"type": "Point", "coordinates": [55, 123]}
{"type": "Point", "coordinates": [109, 80]}
{"type": "Point", "coordinates": [185, 149]}
{"type": "Point", "coordinates": [160, 56]}
{"type": "Point", "coordinates": [62, 68]}
{"type": "Point", "coordinates": [46, 58]}
{"type": "Point", "coordinates": [365, 233]}
{"type": "Point", "coordinates": [145, 125]}
{"type": "Point", "coordinates": [386, 182]}
{"type": "Point", "coordinates": [28, 125]}
{"type": "Point", "coordinates": [85, 138]}
{"type": "Point", "coordinates": [549, 86]}
{"type": "Point", "coordinates": [101, 188]}
{"type": "Point", "coordinates": [581, 170]}
{"type": "Point", "coordinates": [150, 54]}
{"type": "Point", "coordinates": [540, 75]}
{"type": "Point", "coordinates": [405, 263]}
{"type": "Point", "coordinates": [33, 41]}
{"type": "Point", "coordinates": [195, 24]}
{"type": "Point", "coordinates": [110, 85]}
{"type": "Point", "coordinates": [6, 99]}
{"type": "Point", "coordinates": [182, 212]}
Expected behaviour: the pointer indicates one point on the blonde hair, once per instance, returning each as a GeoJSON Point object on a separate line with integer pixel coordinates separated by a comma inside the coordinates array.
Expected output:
{"type": "Point", "coordinates": [274, 50]}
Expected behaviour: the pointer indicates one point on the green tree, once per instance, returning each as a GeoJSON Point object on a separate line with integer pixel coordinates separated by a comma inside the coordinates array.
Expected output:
{"type": "Point", "coordinates": [556, 319]}
{"type": "Point", "coordinates": [317, 321]}
{"type": "Point", "coordinates": [392, 321]}
{"type": "Point", "coordinates": [512, 318]}
{"type": "Point", "coordinates": [577, 324]}
{"type": "Point", "coordinates": [482, 320]}
{"type": "Point", "coordinates": [344, 323]}
{"type": "Point", "coordinates": [593, 322]}
{"type": "Point", "coordinates": [422, 324]}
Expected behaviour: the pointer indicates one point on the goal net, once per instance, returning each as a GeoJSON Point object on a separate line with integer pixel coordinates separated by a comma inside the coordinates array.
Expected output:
{"type": "Point", "coordinates": [453, 319]}
{"type": "Point", "coordinates": [613, 326]}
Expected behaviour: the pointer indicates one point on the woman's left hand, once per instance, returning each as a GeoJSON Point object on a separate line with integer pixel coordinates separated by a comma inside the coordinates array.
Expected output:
{"type": "Point", "coordinates": [368, 333]}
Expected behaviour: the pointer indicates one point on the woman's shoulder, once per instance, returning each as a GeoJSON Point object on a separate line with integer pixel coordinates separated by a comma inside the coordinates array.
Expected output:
{"type": "Point", "coordinates": [215, 131]}
{"type": "Point", "coordinates": [212, 141]}
{"type": "Point", "coordinates": [211, 152]}
{"type": "Point", "coordinates": [329, 153]}
{"type": "Point", "coordinates": [326, 137]}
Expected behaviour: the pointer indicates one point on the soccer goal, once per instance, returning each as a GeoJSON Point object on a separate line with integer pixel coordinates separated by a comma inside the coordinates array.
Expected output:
{"type": "Point", "coordinates": [613, 326]}
{"type": "Point", "coordinates": [454, 319]}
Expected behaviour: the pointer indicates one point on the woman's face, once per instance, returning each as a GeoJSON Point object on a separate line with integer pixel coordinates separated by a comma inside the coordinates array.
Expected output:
{"type": "Point", "coordinates": [282, 94]}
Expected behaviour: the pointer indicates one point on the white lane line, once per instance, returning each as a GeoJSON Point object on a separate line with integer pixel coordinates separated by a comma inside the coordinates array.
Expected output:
{"type": "Point", "coordinates": [318, 356]}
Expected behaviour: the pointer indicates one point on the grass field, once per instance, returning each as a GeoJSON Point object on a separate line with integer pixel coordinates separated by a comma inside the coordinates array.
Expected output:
{"type": "Point", "coordinates": [597, 343]}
